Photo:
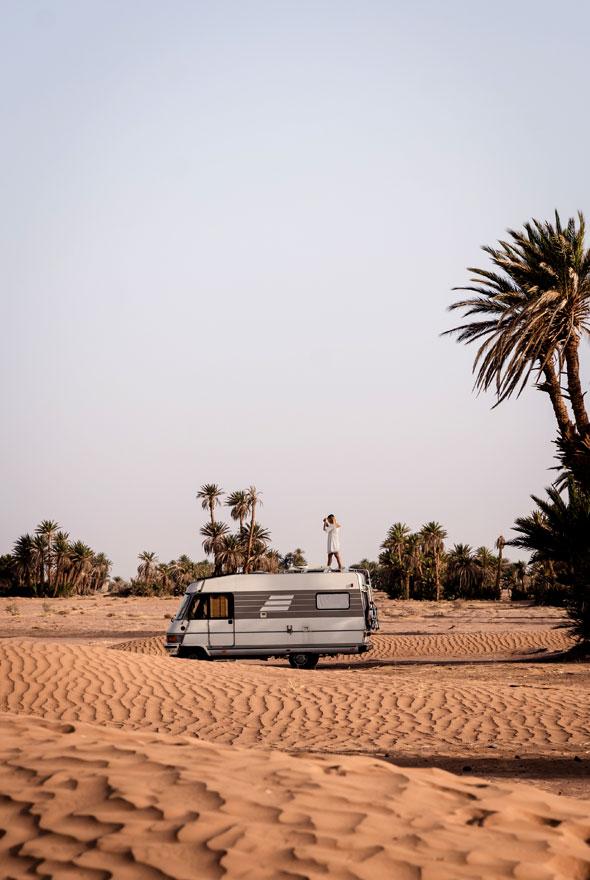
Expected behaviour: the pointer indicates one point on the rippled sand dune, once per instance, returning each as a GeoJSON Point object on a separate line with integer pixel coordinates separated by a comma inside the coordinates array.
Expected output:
{"type": "Point", "coordinates": [85, 802]}
{"type": "Point", "coordinates": [248, 704]}
{"type": "Point", "coordinates": [120, 762]}
{"type": "Point", "coordinates": [429, 646]}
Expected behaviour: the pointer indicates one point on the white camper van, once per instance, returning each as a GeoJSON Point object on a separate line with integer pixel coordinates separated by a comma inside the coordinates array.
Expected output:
{"type": "Point", "coordinates": [299, 614]}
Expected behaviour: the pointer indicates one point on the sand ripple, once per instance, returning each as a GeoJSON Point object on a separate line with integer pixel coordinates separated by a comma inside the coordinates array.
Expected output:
{"type": "Point", "coordinates": [83, 802]}
{"type": "Point", "coordinates": [248, 704]}
{"type": "Point", "coordinates": [456, 645]}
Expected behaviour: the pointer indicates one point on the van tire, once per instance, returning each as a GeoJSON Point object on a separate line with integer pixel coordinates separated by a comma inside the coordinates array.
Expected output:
{"type": "Point", "coordinates": [194, 654]}
{"type": "Point", "coordinates": [304, 661]}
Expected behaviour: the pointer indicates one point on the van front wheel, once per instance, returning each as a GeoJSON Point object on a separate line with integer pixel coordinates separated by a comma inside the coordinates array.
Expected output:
{"type": "Point", "coordinates": [304, 661]}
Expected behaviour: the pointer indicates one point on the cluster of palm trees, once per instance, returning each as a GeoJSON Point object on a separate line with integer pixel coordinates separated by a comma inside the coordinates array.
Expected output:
{"type": "Point", "coordinates": [248, 548]}
{"type": "Point", "coordinates": [47, 563]}
{"type": "Point", "coordinates": [529, 315]}
{"type": "Point", "coordinates": [416, 565]}
{"type": "Point", "coordinates": [162, 578]}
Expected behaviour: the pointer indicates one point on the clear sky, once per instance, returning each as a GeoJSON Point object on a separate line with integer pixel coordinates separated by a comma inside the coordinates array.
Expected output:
{"type": "Point", "coordinates": [228, 234]}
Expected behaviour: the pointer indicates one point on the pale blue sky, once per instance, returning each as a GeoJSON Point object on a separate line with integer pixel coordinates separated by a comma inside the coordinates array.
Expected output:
{"type": "Point", "coordinates": [228, 237]}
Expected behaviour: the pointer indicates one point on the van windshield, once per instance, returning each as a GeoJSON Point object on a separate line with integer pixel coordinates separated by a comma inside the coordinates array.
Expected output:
{"type": "Point", "coordinates": [183, 608]}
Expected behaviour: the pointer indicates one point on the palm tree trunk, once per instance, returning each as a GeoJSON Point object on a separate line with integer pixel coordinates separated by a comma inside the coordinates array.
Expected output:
{"type": "Point", "coordinates": [553, 388]}
{"type": "Point", "coordinates": [574, 385]}
{"type": "Point", "coordinates": [407, 585]}
{"type": "Point", "coordinates": [211, 511]}
{"type": "Point", "coordinates": [437, 575]}
{"type": "Point", "coordinates": [499, 569]}
{"type": "Point", "coordinates": [251, 536]}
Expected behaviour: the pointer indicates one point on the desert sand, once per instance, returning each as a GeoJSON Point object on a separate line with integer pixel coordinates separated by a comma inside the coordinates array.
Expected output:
{"type": "Point", "coordinates": [118, 761]}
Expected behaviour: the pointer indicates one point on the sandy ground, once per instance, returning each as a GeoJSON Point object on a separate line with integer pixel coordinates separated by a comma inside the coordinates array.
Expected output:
{"type": "Point", "coordinates": [118, 761]}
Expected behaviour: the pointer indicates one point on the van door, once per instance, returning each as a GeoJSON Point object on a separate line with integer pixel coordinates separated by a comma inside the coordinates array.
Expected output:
{"type": "Point", "coordinates": [221, 620]}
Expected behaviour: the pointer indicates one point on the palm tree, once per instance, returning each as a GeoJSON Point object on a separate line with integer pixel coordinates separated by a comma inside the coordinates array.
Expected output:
{"type": "Point", "coordinates": [395, 541]}
{"type": "Point", "coordinates": [147, 565]}
{"type": "Point", "coordinates": [214, 534]}
{"type": "Point", "coordinates": [487, 560]}
{"type": "Point", "coordinates": [101, 565]}
{"type": "Point", "coordinates": [272, 561]}
{"type": "Point", "coordinates": [184, 570]}
{"type": "Point", "coordinates": [464, 569]}
{"type": "Point", "coordinates": [231, 553]}
{"type": "Point", "coordinates": [25, 561]}
{"type": "Point", "coordinates": [413, 561]}
{"type": "Point", "coordinates": [254, 499]}
{"type": "Point", "coordinates": [294, 559]}
{"type": "Point", "coordinates": [47, 529]}
{"type": "Point", "coordinates": [209, 495]}
{"type": "Point", "coordinates": [433, 541]}
{"type": "Point", "coordinates": [557, 534]}
{"type": "Point", "coordinates": [40, 555]}
{"type": "Point", "coordinates": [240, 506]}
{"type": "Point", "coordinates": [61, 560]}
{"type": "Point", "coordinates": [81, 556]}
{"type": "Point", "coordinates": [531, 316]}
{"type": "Point", "coordinates": [520, 571]}
{"type": "Point", "coordinates": [500, 544]}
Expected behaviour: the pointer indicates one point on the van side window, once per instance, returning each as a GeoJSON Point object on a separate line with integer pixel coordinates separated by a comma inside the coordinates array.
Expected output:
{"type": "Point", "coordinates": [332, 601]}
{"type": "Point", "coordinates": [220, 606]}
{"type": "Point", "coordinates": [199, 608]}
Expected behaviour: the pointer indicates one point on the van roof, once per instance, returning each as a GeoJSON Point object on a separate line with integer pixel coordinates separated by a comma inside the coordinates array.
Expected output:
{"type": "Point", "coordinates": [308, 578]}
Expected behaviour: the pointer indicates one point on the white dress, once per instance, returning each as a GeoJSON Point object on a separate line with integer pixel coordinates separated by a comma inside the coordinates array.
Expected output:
{"type": "Point", "coordinates": [333, 539]}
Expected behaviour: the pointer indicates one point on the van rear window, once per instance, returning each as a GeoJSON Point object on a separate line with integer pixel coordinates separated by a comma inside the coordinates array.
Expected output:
{"type": "Point", "coordinates": [332, 601]}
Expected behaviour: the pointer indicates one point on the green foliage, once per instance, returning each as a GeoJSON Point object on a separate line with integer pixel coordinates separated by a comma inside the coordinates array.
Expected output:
{"type": "Point", "coordinates": [558, 534]}
{"type": "Point", "coordinates": [294, 559]}
{"type": "Point", "coordinates": [48, 564]}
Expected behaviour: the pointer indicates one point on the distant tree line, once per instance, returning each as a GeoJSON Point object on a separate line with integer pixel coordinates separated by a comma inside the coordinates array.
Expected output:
{"type": "Point", "coordinates": [416, 565]}
{"type": "Point", "coordinates": [47, 563]}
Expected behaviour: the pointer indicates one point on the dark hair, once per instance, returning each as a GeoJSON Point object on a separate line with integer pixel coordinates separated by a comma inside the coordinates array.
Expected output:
{"type": "Point", "coordinates": [330, 515]}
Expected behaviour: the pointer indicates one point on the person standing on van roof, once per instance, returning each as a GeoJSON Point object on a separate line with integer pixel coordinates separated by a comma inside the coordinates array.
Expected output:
{"type": "Point", "coordinates": [332, 527]}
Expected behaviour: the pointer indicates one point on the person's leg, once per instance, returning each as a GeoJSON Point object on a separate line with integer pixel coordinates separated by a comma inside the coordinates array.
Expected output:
{"type": "Point", "coordinates": [330, 560]}
{"type": "Point", "coordinates": [339, 561]}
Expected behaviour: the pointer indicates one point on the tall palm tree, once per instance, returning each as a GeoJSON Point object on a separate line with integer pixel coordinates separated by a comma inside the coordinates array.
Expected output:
{"type": "Point", "coordinates": [395, 540]}
{"type": "Point", "coordinates": [48, 529]}
{"type": "Point", "coordinates": [61, 560]}
{"type": "Point", "coordinates": [81, 556]}
{"type": "Point", "coordinates": [254, 500]}
{"type": "Point", "coordinates": [209, 495]}
{"type": "Point", "coordinates": [40, 554]}
{"type": "Point", "coordinates": [500, 544]}
{"type": "Point", "coordinates": [531, 315]}
{"type": "Point", "coordinates": [214, 534]}
{"type": "Point", "coordinates": [433, 542]}
{"type": "Point", "coordinates": [240, 506]}
{"type": "Point", "coordinates": [413, 561]}
{"type": "Point", "coordinates": [147, 565]}
{"type": "Point", "coordinates": [487, 560]}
